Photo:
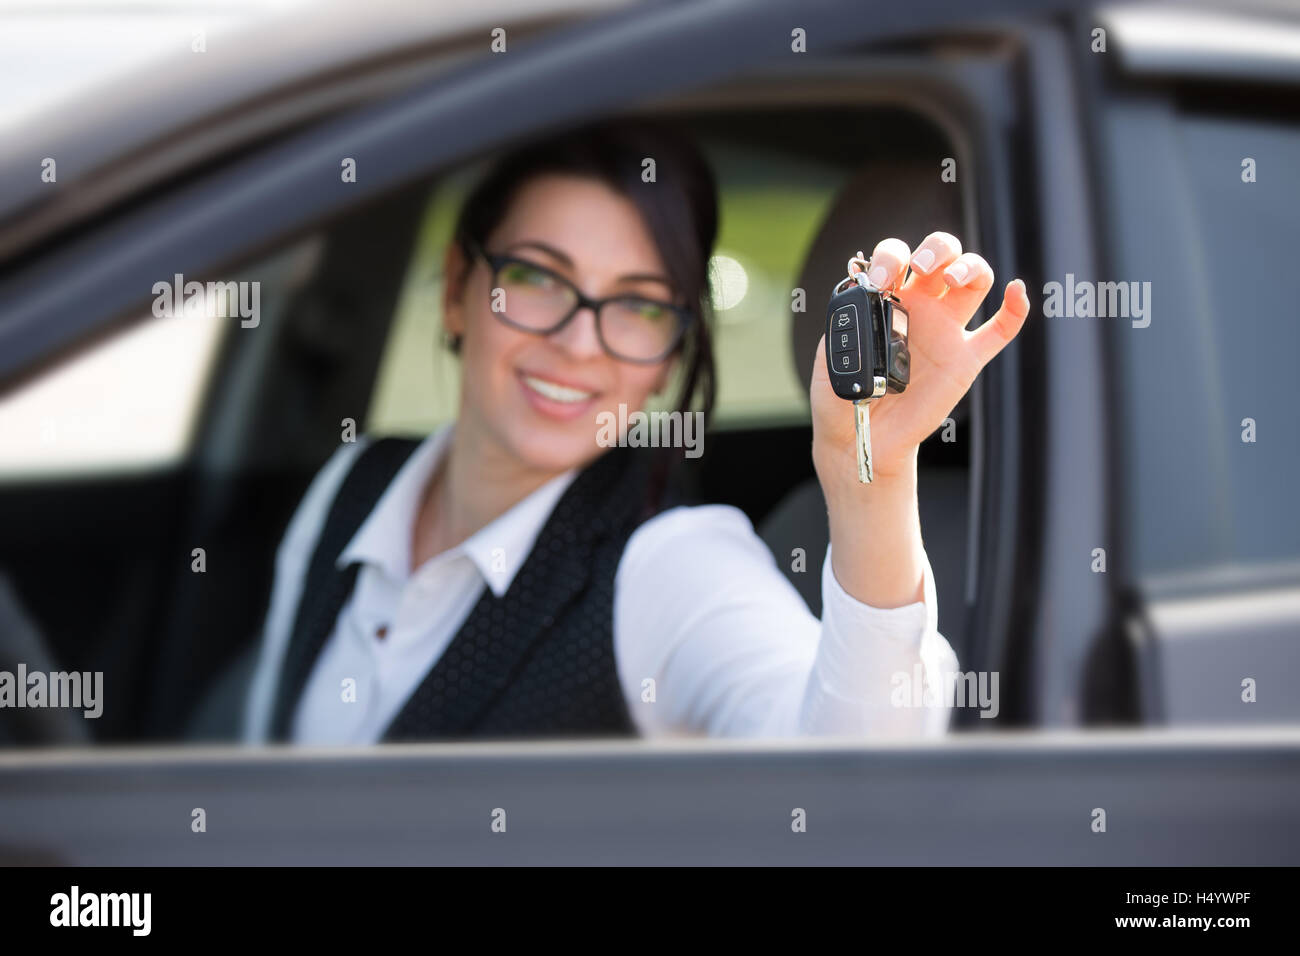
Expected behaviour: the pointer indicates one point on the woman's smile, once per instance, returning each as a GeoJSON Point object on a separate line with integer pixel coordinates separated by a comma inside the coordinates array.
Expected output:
{"type": "Point", "coordinates": [563, 401]}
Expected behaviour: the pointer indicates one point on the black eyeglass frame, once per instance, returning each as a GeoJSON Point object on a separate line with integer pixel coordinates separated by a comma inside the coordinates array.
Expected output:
{"type": "Point", "coordinates": [496, 262]}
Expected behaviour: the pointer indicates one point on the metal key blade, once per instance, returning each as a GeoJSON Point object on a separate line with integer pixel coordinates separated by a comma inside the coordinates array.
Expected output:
{"type": "Point", "coordinates": [863, 425]}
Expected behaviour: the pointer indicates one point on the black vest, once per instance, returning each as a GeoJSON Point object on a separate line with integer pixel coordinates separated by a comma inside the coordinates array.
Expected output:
{"type": "Point", "coordinates": [539, 660]}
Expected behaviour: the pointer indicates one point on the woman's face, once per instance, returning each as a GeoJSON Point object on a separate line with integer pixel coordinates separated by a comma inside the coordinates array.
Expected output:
{"type": "Point", "coordinates": [537, 397]}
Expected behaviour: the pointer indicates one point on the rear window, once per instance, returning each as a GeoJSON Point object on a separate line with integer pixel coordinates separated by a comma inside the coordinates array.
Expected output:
{"type": "Point", "coordinates": [1248, 234]}
{"type": "Point", "coordinates": [1207, 217]}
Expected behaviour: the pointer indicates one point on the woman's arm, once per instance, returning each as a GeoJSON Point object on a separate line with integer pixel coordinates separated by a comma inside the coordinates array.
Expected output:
{"type": "Point", "coordinates": [711, 638]}
{"type": "Point", "coordinates": [710, 629]}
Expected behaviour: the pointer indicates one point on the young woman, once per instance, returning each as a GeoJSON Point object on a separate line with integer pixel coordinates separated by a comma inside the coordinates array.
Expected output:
{"type": "Point", "coordinates": [510, 575]}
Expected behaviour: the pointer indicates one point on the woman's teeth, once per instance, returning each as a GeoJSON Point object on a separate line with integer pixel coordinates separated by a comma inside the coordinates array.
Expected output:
{"type": "Point", "coordinates": [556, 393]}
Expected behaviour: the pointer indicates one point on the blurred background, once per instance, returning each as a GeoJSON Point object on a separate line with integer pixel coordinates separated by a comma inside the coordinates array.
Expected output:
{"type": "Point", "coordinates": [1111, 516]}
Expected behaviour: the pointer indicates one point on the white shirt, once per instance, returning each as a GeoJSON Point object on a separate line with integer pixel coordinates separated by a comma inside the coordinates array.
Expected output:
{"type": "Point", "coordinates": [700, 609]}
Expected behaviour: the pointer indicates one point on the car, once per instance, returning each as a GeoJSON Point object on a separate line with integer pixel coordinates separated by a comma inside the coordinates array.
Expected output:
{"type": "Point", "coordinates": [1104, 536]}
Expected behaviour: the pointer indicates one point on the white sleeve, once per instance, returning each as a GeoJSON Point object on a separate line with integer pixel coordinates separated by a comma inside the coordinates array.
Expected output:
{"type": "Point", "coordinates": [711, 638]}
{"type": "Point", "coordinates": [291, 561]}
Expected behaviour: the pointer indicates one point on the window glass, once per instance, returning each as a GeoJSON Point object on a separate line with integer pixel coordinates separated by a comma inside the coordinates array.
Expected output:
{"type": "Point", "coordinates": [1211, 441]}
{"type": "Point", "coordinates": [129, 403]}
{"type": "Point", "coordinates": [1248, 231]}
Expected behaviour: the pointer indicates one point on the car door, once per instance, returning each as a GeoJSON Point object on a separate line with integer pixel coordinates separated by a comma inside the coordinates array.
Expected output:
{"type": "Point", "coordinates": [1198, 223]}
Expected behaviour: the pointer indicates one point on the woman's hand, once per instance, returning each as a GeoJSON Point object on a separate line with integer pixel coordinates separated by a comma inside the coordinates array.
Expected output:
{"type": "Point", "coordinates": [941, 296]}
{"type": "Point", "coordinates": [875, 529]}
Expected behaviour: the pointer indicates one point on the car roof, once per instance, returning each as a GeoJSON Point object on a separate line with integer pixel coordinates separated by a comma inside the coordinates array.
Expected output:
{"type": "Point", "coordinates": [116, 125]}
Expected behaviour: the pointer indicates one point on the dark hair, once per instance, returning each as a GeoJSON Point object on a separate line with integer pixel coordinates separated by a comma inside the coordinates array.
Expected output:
{"type": "Point", "coordinates": [680, 209]}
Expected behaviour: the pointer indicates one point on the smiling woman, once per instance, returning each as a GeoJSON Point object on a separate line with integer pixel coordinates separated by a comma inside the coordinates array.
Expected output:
{"type": "Point", "coordinates": [514, 574]}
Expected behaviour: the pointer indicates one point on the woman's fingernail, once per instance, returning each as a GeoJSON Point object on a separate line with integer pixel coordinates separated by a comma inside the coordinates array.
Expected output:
{"type": "Point", "coordinates": [957, 271]}
{"type": "Point", "coordinates": [878, 276]}
{"type": "Point", "coordinates": [923, 261]}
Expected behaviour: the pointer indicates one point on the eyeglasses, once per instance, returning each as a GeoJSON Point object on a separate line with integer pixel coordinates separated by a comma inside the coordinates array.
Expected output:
{"type": "Point", "coordinates": [630, 328]}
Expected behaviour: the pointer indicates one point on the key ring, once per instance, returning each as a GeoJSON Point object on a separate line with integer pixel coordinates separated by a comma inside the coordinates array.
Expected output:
{"type": "Point", "coordinates": [860, 277]}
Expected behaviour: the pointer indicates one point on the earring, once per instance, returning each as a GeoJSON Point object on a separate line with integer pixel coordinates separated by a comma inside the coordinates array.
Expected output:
{"type": "Point", "coordinates": [451, 341]}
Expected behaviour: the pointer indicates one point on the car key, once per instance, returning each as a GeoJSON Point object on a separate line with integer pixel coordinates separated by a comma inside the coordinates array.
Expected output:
{"type": "Point", "coordinates": [865, 356]}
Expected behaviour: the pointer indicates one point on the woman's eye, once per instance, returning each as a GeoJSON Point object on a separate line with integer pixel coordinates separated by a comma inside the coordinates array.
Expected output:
{"type": "Point", "coordinates": [526, 275]}
{"type": "Point", "coordinates": [649, 310]}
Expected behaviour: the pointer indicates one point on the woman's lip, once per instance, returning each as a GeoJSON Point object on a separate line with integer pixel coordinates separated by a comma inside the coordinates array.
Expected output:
{"type": "Point", "coordinates": [562, 382]}
{"type": "Point", "coordinates": [559, 411]}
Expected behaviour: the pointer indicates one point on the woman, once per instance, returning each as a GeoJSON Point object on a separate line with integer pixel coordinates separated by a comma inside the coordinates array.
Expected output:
{"type": "Point", "coordinates": [510, 575]}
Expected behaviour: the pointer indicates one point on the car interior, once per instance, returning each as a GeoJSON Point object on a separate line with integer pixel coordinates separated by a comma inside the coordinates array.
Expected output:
{"type": "Point", "coordinates": [176, 559]}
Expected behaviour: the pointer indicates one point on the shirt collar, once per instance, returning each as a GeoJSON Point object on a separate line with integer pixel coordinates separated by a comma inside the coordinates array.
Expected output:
{"type": "Point", "coordinates": [498, 549]}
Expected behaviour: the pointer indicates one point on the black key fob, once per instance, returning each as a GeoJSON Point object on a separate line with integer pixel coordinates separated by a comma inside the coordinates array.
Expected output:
{"type": "Point", "coordinates": [864, 354]}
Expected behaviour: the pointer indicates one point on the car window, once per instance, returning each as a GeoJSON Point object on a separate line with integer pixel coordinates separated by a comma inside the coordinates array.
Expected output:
{"type": "Point", "coordinates": [1251, 226]}
{"type": "Point", "coordinates": [1212, 462]}
{"type": "Point", "coordinates": [128, 403]}
{"type": "Point", "coordinates": [771, 205]}
{"type": "Point", "coordinates": [132, 402]}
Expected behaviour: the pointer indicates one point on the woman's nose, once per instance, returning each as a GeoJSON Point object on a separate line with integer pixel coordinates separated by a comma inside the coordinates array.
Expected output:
{"type": "Point", "coordinates": [579, 336]}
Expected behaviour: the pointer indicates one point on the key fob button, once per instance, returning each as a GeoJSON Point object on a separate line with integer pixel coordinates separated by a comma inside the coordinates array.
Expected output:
{"type": "Point", "coordinates": [847, 361]}
{"type": "Point", "coordinates": [844, 341]}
